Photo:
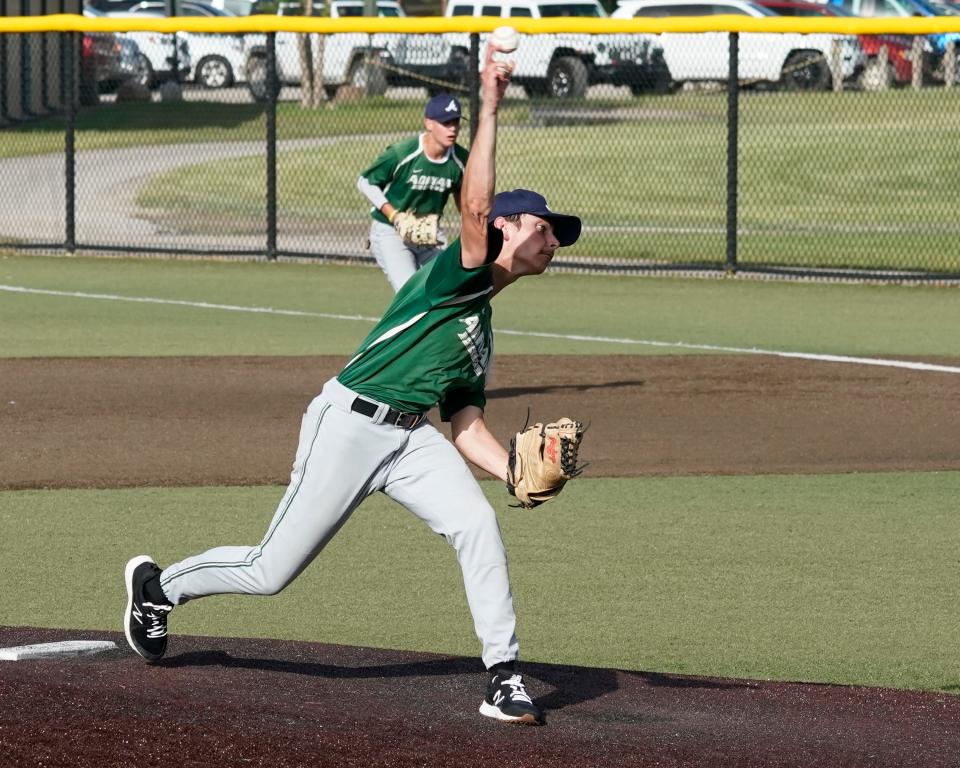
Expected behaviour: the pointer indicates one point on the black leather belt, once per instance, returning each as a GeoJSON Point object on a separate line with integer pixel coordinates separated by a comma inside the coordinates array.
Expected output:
{"type": "Point", "coordinates": [392, 416]}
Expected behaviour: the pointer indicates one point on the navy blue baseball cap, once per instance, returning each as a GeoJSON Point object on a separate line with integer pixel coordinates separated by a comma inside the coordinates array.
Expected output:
{"type": "Point", "coordinates": [565, 227]}
{"type": "Point", "coordinates": [443, 108]}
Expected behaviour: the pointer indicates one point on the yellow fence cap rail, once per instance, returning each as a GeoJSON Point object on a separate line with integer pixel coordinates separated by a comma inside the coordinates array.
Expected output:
{"type": "Point", "coordinates": [437, 24]}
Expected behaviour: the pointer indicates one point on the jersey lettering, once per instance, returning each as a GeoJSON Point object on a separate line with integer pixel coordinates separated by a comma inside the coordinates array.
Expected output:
{"type": "Point", "coordinates": [421, 183]}
{"type": "Point", "coordinates": [477, 344]}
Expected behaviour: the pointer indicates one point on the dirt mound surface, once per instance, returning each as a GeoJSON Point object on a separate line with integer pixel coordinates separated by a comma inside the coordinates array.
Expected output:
{"type": "Point", "coordinates": [272, 704]}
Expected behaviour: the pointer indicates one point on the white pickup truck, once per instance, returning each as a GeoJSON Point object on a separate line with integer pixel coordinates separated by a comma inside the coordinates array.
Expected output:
{"type": "Point", "coordinates": [344, 54]}
{"type": "Point", "coordinates": [560, 66]}
{"type": "Point", "coordinates": [796, 62]}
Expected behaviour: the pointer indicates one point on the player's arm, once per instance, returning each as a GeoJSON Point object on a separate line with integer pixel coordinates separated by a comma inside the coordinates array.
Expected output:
{"type": "Point", "coordinates": [476, 443]}
{"type": "Point", "coordinates": [374, 180]}
{"type": "Point", "coordinates": [480, 175]}
{"type": "Point", "coordinates": [376, 197]}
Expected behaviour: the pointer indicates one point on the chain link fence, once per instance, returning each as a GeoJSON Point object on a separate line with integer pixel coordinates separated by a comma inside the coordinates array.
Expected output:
{"type": "Point", "coordinates": [808, 154]}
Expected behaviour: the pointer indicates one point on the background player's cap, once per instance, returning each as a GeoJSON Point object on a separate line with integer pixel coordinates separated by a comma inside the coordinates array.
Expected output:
{"type": "Point", "coordinates": [565, 227]}
{"type": "Point", "coordinates": [443, 108]}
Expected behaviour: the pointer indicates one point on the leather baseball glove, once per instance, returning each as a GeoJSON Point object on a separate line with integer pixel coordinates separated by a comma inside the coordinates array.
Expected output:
{"type": "Point", "coordinates": [542, 458]}
{"type": "Point", "coordinates": [416, 230]}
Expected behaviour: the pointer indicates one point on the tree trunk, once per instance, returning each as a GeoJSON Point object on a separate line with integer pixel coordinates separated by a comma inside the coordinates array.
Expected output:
{"type": "Point", "coordinates": [312, 92]}
{"type": "Point", "coordinates": [319, 89]}
{"type": "Point", "coordinates": [307, 89]}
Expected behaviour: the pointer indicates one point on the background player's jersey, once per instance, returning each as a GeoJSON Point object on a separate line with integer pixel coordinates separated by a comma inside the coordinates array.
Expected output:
{"type": "Point", "coordinates": [412, 181]}
{"type": "Point", "coordinates": [433, 345]}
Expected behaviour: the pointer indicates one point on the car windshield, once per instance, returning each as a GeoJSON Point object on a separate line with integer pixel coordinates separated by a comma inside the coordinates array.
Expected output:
{"type": "Point", "coordinates": [837, 10]}
{"type": "Point", "coordinates": [943, 9]}
{"type": "Point", "coordinates": [573, 9]}
{"type": "Point", "coordinates": [182, 9]}
{"type": "Point", "coordinates": [282, 8]}
{"type": "Point", "coordinates": [391, 11]}
{"type": "Point", "coordinates": [190, 9]}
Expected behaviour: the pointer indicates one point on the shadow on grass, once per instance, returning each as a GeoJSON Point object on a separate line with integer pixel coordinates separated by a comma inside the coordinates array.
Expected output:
{"type": "Point", "coordinates": [152, 117]}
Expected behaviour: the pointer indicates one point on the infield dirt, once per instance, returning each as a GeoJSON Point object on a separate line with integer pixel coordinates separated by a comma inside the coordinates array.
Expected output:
{"type": "Point", "coordinates": [114, 422]}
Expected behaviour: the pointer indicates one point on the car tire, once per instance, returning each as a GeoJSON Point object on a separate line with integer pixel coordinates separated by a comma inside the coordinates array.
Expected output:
{"type": "Point", "coordinates": [876, 77]}
{"type": "Point", "coordinates": [357, 77]}
{"type": "Point", "coordinates": [567, 78]}
{"type": "Point", "coordinates": [214, 72]}
{"type": "Point", "coordinates": [806, 71]}
{"type": "Point", "coordinates": [257, 79]}
{"type": "Point", "coordinates": [455, 77]}
{"type": "Point", "coordinates": [89, 92]}
{"type": "Point", "coordinates": [458, 69]}
{"type": "Point", "coordinates": [145, 74]}
{"type": "Point", "coordinates": [535, 88]}
{"type": "Point", "coordinates": [656, 79]}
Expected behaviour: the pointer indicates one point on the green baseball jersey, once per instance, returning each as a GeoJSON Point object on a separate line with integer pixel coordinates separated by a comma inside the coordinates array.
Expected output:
{"type": "Point", "coordinates": [433, 345]}
{"type": "Point", "coordinates": [412, 181]}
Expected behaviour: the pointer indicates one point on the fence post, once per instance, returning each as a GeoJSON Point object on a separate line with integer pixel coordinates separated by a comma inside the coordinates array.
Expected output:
{"type": "Point", "coordinates": [733, 125]}
{"type": "Point", "coordinates": [950, 64]}
{"type": "Point", "coordinates": [4, 111]}
{"type": "Point", "coordinates": [69, 61]}
{"type": "Point", "coordinates": [916, 61]}
{"type": "Point", "coordinates": [473, 83]}
{"type": "Point", "coordinates": [26, 67]}
{"type": "Point", "coordinates": [44, 74]}
{"type": "Point", "coordinates": [61, 42]}
{"type": "Point", "coordinates": [272, 88]}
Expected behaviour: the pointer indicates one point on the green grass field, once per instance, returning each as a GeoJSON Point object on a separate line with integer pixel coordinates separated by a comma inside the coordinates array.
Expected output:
{"type": "Point", "coordinates": [837, 578]}
{"type": "Point", "coordinates": [798, 317]}
{"type": "Point", "coordinates": [841, 578]}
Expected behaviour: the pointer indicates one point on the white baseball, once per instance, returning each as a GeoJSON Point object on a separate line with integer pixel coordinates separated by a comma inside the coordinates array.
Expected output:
{"type": "Point", "coordinates": [505, 39]}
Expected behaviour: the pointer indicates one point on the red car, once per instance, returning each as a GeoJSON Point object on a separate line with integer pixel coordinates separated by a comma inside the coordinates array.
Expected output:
{"type": "Point", "coordinates": [899, 67]}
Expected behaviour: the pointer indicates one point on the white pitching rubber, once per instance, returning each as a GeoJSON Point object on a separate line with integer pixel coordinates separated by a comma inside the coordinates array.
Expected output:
{"type": "Point", "coordinates": [52, 650]}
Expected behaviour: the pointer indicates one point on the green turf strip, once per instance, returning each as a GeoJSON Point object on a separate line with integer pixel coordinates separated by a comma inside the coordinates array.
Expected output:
{"type": "Point", "coordinates": [840, 578]}
{"type": "Point", "coordinates": [835, 319]}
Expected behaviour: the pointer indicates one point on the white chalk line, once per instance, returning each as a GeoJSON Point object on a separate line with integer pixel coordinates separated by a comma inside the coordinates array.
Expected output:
{"type": "Point", "coordinates": [851, 360]}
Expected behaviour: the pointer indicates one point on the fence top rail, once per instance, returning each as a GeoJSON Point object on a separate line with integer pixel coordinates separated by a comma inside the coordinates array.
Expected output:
{"type": "Point", "coordinates": [436, 24]}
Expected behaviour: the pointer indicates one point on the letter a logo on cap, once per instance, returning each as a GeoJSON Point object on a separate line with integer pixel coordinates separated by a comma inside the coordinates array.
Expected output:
{"type": "Point", "coordinates": [452, 106]}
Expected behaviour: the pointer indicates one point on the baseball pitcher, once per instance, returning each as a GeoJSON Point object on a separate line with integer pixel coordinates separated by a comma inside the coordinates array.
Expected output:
{"type": "Point", "coordinates": [367, 431]}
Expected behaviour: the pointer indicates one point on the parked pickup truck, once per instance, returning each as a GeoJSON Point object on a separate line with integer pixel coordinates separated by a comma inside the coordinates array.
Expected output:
{"type": "Point", "coordinates": [794, 61]}
{"type": "Point", "coordinates": [344, 54]}
{"type": "Point", "coordinates": [560, 66]}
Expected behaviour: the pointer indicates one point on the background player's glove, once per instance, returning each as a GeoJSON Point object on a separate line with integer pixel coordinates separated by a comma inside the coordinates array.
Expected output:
{"type": "Point", "coordinates": [542, 458]}
{"type": "Point", "coordinates": [416, 230]}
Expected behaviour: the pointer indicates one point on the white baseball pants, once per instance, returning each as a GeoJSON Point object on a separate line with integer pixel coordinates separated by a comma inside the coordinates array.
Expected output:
{"type": "Point", "coordinates": [342, 458]}
{"type": "Point", "coordinates": [397, 259]}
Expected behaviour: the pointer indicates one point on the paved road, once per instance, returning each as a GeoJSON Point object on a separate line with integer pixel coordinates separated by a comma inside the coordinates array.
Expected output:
{"type": "Point", "coordinates": [32, 191]}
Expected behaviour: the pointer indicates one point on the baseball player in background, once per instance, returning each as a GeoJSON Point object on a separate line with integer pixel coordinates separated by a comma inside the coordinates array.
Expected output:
{"type": "Point", "coordinates": [367, 431]}
{"type": "Point", "coordinates": [408, 187]}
